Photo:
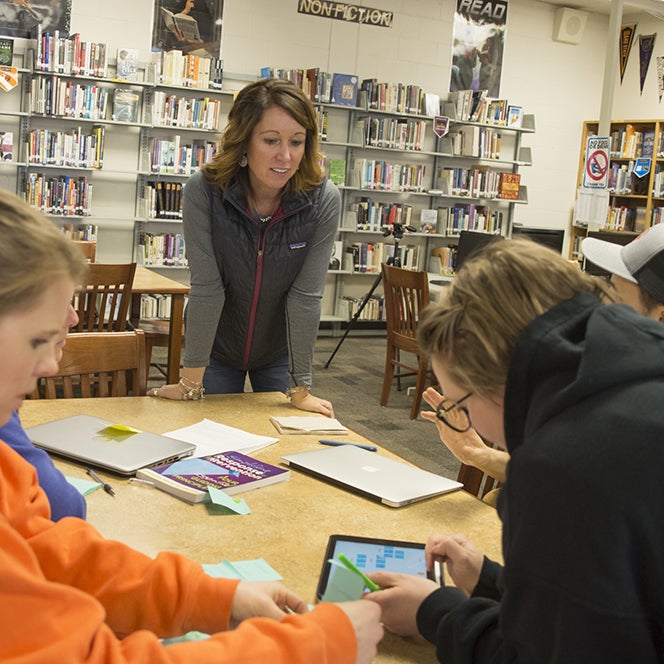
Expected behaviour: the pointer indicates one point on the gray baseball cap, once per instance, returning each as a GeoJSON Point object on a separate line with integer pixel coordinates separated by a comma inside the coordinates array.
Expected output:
{"type": "Point", "coordinates": [641, 261]}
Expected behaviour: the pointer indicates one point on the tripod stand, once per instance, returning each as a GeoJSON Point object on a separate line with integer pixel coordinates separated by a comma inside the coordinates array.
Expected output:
{"type": "Point", "coordinates": [397, 231]}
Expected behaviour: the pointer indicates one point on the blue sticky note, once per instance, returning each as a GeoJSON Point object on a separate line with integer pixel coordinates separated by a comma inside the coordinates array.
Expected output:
{"type": "Point", "coordinates": [197, 466]}
{"type": "Point", "coordinates": [84, 487]}
{"type": "Point", "coordinates": [221, 498]}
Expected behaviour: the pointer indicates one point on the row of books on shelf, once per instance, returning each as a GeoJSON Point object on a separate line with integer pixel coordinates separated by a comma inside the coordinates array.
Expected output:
{"type": "Point", "coordinates": [658, 184]}
{"type": "Point", "coordinates": [479, 183]}
{"type": "Point", "coordinates": [368, 256]}
{"type": "Point", "coordinates": [169, 110]}
{"type": "Point", "coordinates": [81, 232]}
{"type": "Point", "coordinates": [622, 180]}
{"type": "Point", "coordinates": [377, 174]}
{"type": "Point", "coordinates": [320, 86]}
{"type": "Point", "coordinates": [348, 90]}
{"type": "Point", "coordinates": [175, 156]}
{"type": "Point", "coordinates": [61, 195]}
{"type": "Point", "coordinates": [391, 97]}
{"type": "Point", "coordinates": [373, 310]}
{"type": "Point", "coordinates": [164, 200]}
{"type": "Point", "coordinates": [194, 71]}
{"type": "Point", "coordinates": [477, 106]}
{"type": "Point", "coordinates": [394, 133]}
{"type": "Point", "coordinates": [475, 141]}
{"type": "Point", "coordinates": [623, 218]}
{"type": "Point", "coordinates": [73, 148]}
{"type": "Point", "coordinates": [64, 54]}
{"type": "Point", "coordinates": [160, 250]}
{"type": "Point", "coordinates": [378, 217]}
{"type": "Point", "coordinates": [155, 306]}
{"type": "Point", "coordinates": [630, 142]}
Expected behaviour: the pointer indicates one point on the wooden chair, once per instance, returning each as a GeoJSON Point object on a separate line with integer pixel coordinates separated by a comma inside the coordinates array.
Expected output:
{"type": "Point", "coordinates": [406, 294]}
{"type": "Point", "coordinates": [98, 364]}
{"type": "Point", "coordinates": [157, 333]}
{"type": "Point", "coordinates": [89, 249]}
{"type": "Point", "coordinates": [102, 301]}
{"type": "Point", "coordinates": [476, 481]}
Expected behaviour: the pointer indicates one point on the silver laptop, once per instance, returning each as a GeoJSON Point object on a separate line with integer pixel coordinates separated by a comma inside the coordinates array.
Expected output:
{"type": "Point", "coordinates": [389, 481]}
{"type": "Point", "coordinates": [90, 440]}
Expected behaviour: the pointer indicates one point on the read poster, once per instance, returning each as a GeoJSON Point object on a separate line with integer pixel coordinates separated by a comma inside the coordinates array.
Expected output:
{"type": "Point", "coordinates": [477, 45]}
{"type": "Point", "coordinates": [172, 26]}
{"type": "Point", "coordinates": [21, 18]}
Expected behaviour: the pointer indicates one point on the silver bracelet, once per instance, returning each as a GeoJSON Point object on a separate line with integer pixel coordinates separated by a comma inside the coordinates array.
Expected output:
{"type": "Point", "coordinates": [298, 389]}
{"type": "Point", "coordinates": [191, 390]}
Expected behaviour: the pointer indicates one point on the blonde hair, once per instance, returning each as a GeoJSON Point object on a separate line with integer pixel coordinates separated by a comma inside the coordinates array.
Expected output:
{"type": "Point", "coordinates": [474, 327]}
{"type": "Point", "coordinates": [33, 254]}
{"type": "Point", "coordinates": [247, 110]}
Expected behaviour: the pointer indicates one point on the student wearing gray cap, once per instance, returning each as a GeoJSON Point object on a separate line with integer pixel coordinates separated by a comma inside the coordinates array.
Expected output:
{"type": "Point", "coordinates": [637, 269]}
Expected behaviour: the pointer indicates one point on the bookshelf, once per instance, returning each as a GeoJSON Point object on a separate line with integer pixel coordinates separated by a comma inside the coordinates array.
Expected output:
{"type": "Point", "coordinates": [390, 165]}
{"type": "Point", "coordinates": [635, 180]}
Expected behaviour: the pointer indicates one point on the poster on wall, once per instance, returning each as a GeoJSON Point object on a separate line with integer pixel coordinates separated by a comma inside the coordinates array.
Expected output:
{"type": "Point", "coordinates": [646, 45]}
{"type": "Point", "coordinates": [477, 45]}
{"type": "Point", "coordinates": [191, 26]}
{"type": "Point", "coordinates": [660, 76]}
{"type": "Point", "coordinates": [20, 18]}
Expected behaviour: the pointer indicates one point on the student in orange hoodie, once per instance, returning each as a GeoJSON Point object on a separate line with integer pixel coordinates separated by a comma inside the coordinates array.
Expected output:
{"type": "Point", "coordinates": [69, 595]}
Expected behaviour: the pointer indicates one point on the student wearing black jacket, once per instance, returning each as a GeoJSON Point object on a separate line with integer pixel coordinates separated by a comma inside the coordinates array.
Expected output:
{"type": "Point", "coordinates": [528, 355]}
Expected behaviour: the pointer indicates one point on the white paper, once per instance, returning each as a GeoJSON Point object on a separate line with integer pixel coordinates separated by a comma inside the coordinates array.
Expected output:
{"type": "Point", "coordinates": [212, 437]}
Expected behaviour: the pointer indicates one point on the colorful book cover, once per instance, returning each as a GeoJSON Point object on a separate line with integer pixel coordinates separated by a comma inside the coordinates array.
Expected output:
{"type": "Point", "coordinates": [6, 51]}
{"type": "Point", "coordinates": [508, 187]}
{"type": "Point", "coordinates": [344, 89]}
{"type": "Point", "coordinates": [232, 472]}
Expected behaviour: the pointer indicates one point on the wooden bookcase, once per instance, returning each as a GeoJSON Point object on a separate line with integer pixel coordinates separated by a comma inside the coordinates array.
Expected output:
{"type": "Point", "coordinates": [635, 203]}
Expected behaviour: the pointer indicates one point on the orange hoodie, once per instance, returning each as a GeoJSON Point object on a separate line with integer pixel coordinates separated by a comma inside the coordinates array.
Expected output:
{"type": "Point", "coordinates": [69, 595]}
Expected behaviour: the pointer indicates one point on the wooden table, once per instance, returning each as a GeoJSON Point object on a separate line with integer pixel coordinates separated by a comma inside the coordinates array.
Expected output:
{"type": "Point", "coordinates": [148, 282]}
{"type": "Point", "coordinates": [290, 521]}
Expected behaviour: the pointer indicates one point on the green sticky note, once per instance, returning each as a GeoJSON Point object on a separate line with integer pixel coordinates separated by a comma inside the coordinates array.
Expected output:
{"type": "Point", "coordinates": [222, 499]}
{"type": "Point", "coordinates": [245, 570]}
{"type": "Point", "coordinates": [117, 432]}
{"type": "Point", "coordinates": [344, 585]}
{"type": "Point", "coordinates": [84, 487]}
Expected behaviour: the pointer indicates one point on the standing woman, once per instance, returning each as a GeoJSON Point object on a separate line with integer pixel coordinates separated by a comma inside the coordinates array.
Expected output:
{"type": "Point", "coordinates": [259, 224]}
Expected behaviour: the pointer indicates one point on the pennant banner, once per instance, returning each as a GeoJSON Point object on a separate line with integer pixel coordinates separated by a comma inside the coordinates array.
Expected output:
{"type": "Point", "coordinates": [646, 45]}
{"type": "Point", "coordinates": [660, 75]}
{"type": "Point", "coordinates": [626, 39]}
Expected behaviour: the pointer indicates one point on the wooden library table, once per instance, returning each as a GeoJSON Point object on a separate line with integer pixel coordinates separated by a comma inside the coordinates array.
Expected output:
{"type": "Point", "coordinates": [290, 522]}
{"type": "Point", "coordinates": [149, 282]}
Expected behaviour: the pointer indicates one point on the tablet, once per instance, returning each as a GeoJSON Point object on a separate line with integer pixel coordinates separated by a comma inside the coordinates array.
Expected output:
{"type": "Point", "coordinates": [372, 555]}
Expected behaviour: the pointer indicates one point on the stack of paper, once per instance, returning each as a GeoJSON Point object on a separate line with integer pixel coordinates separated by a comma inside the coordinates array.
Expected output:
{"type": "Point", "coordinates": [307, 424]}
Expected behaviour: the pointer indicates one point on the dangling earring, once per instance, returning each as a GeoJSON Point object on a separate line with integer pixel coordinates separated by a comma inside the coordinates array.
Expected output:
{"type": "Point", "coordinates": [243, 161]}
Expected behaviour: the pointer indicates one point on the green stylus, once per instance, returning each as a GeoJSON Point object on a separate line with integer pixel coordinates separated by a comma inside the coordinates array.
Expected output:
{"type": "Point", "coordinates": [368, 582]}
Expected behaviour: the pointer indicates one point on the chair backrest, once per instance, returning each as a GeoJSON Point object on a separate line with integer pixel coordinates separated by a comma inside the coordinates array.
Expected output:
{"type": "Point", "coordinates": [102, 300]}
{"type": "Point", "coordinates": [89, 249]}
{"type": "Point", "coordinates": [476, 481]}
{"type": "Point", "coordinates": [406, 294]}
{"type": "Point", "coordinates": [98, 364]}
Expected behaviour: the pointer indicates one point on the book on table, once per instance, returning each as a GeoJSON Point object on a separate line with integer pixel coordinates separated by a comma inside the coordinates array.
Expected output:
{"type": "Point", "coordinates": [232, 472]}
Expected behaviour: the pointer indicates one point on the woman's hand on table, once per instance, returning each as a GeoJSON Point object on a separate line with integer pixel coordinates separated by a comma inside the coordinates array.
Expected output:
{"type": "Point", "coordinates": [266, 599]}
{"type": "Point", "coordinates": [313, 404]}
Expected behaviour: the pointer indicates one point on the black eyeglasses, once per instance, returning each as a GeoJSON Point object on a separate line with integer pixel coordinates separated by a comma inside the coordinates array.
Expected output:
{"type": "Point", "coordinates": [454, 415]}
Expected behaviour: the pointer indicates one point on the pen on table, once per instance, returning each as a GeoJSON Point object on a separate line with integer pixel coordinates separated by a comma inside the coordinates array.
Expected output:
{"type": "Point", "coordinates": [339, 443]}
{"type": "Point", "coordinates": [105, 485]}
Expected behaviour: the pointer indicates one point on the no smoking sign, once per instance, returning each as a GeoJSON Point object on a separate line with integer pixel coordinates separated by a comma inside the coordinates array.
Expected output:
{"type": "Point", "coordinates": [596, 169]}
